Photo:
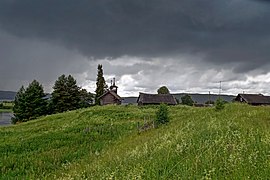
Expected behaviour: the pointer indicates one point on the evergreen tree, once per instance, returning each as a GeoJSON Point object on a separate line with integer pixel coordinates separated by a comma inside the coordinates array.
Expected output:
{"type": "Point", "coordinates": [29, 103]}
{"type": "Point", "coordinates": [59, 94]}
{"type": "Point", "coordinates": [101, 84]}
{"type": "Point", "coordinates": [187, 100]}
{"type": "Point", "coordinates": [19, 106]}
{"type": "Point", "coordinates": [163, 90]}
{"type": "Point", "coordinates": [66, 95]}
{"type": "Point", "coordinates": [86, 98]}
{"type": "Point", "coordinates": [34, 99]}
{"type": "Point", "coordinates": [73, 93]}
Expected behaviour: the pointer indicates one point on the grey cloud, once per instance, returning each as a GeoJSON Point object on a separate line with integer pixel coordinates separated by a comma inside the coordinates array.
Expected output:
{"type": "Point", "coordinates": [152, 28]}
{"type": "Point", "coordinates": [47, 38]}
{"type": "Point", "coordinates": [22, 60]}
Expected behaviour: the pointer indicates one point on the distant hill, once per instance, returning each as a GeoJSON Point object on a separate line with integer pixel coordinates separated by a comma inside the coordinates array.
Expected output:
{"type": "Point", "coordinates": [202, 98]}
{"type": "Point", "coordinates": [198, 98]}
{"type": "Point", "coordinates": [129, 100]}
{"type": "Point", "coordinates": [7, 95]}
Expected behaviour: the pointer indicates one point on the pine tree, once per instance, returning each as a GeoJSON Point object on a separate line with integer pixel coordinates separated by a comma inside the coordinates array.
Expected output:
{"type": "Point", "coordinates": [66, 94]}
{"type": "Point", "coordinates": [19, 106]}
{"type": "Point", "coordinates": [101, 85]}
{"type": "Point", "coordinates": [73, 93]}
{"type": "Point", "coordinates": [34, 99]}
{"type": "Point", "coordinates": [29, 103]}
{"type": "Point", "coordinates": [59, 94]}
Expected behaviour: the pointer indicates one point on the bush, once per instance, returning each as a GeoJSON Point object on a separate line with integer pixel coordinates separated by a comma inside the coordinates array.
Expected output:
{"type": "Point", "coordinates": [220, 104]}
{"type": "Point", "coordinates": [187, 100]}
{"type": "Point", "coordinates": [1, 105]}
{"type": "Point", "coordinates": [162, 115]}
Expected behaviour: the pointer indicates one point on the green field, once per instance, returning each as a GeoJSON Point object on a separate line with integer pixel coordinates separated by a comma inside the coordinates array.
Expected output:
{"type": "Point", "coordinates": [103, 143]}
{"type": "Point", "coordinates": [6, 106]}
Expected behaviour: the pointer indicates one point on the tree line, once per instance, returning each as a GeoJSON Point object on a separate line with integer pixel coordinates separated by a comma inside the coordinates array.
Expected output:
{"type": "Point", "coordinates": [31, 102]}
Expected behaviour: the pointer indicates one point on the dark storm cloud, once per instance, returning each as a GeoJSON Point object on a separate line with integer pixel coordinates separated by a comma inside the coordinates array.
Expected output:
{"type": "Point", "coordinates": [224, 31]}
{"type": "Point", "coordinates": [189, 44]}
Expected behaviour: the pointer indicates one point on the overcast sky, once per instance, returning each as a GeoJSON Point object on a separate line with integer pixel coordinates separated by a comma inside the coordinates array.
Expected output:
{"type": "Point", "coordinates": [187, 45]}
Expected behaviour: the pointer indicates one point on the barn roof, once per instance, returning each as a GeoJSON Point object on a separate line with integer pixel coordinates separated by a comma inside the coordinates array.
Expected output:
{"type": "Point", "coordinates": [255, 98]}
{"type": "Point", "coordinates": [156, 99]}
{"type": "Point", "coordinates": [112, 93]}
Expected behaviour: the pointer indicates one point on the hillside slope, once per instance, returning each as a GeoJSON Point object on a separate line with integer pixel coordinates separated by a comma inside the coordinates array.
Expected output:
{"type": "Point", "coordinates": [102, 142]}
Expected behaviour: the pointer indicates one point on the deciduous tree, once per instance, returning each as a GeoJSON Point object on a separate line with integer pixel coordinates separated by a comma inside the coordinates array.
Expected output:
{"type": "Point", "coordinates": [187, 100]}
{"type": "Point", "coordinates": [163, 90]}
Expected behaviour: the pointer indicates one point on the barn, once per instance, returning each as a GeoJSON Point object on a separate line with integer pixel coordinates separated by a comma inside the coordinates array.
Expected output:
{"type": "Point", "coordinates": [253, 99]}
{"type": "Point", "coordinates": [110, 96]}
{"type": "Point", "coordinates": [155, 99]}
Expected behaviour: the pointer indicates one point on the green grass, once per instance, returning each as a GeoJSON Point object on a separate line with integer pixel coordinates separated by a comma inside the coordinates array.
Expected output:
{"type": "Point", "coordinates": [103, 143]}
{"type": "Point", "coordinates": [6, 110]}
{"type": "Point", "coordinates": [7, 107]}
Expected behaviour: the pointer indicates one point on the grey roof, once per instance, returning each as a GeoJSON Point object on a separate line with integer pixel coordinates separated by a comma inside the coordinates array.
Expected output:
{"type": "Point", "coordinates": [203, 98]}
{"type": "Point", "coordinates": [255, 98]}
{"type": "Point", "coordinates": [112, 93]}
{"type": "Point", "coordinates": [156, 99]}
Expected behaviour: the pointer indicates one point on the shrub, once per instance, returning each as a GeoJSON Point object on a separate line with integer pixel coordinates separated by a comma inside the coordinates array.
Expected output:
{"type": "Point", "coordinates": [220, 104]}
{"type": "Point", "coordinates": [187, 100]}
{"type": "Point", "coordinates": [162, 115]}
{"type": "Point", "coordinates": [1, 105]}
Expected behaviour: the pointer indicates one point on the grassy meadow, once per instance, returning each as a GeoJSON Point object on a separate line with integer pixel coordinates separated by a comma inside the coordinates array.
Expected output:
{"type": "Point", "coordinates": [6, 106]}
{"type": "Point", "coordinates": [103, 143]}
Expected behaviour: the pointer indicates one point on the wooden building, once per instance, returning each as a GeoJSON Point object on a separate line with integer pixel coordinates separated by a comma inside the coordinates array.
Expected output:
{"type": "Point", "coordinates": [110, 96]}
{"type": "Point", "coordinates": [154, 99]}
{"type": "Point", "coordinates": [253, 99]}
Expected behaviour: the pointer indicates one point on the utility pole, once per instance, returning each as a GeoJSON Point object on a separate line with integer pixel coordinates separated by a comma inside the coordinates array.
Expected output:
{"type": "Point", "coordinates": [219, 88]}
{"type": "Point", "coordinates": [209, 98]}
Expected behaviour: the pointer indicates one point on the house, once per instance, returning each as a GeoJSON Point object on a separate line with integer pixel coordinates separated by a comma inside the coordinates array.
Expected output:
{"type": "Point", "coordinates": [149, 99]}
{"type": "Point", "coordinates": [253, 99]}
{"type": "Point", "coordinates": [110, 96]}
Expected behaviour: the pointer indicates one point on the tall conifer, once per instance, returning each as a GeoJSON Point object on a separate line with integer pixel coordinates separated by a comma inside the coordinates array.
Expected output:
{"type": "Point", "coordinates": [101, 84]}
